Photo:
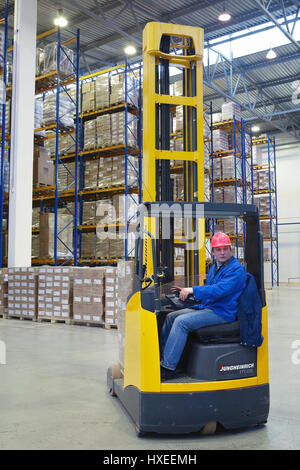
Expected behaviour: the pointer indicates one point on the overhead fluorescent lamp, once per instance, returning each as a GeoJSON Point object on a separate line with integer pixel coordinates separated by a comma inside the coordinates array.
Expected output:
{"type": "Point", "coordinates": [255, 129]}
{"type": "Point", "coordinates": [271, 54]}
{"type": "Point", "coordinates": [130, 50]}
{"type": "Point", "coordinates": [60, 20]}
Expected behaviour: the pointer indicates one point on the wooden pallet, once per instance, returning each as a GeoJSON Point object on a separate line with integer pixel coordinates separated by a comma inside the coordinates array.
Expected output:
{"type": "Point", "coordinates": [67, 321]}
{"type": "Point", "coordinates": [109, 326]}
{"type": "Point", "coordinates": [6, 316]}
{"type": "Point", "coordinates": [86, 323]}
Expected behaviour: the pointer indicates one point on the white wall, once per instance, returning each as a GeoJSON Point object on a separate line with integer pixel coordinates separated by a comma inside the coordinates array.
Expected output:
{"type": "Point", "coordinates": [288, 204]}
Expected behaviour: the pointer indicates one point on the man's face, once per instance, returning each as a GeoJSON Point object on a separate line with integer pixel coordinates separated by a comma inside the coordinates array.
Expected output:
{"type": "Point", "coordinates": [222, 254]}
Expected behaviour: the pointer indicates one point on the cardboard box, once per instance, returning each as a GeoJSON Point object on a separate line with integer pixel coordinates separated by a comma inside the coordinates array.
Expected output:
{"type": "Point", "coordinates": [43, 168]}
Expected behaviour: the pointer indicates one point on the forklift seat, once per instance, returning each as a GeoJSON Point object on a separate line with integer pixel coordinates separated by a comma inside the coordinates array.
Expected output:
{"type": "Point", "coordinates": [221, 333]}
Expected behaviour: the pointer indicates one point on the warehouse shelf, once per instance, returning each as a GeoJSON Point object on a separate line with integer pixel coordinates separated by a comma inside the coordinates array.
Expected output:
{"type": "Point", "coordinates": [229, 138]}
{"type": "Point", "coordinates": [4, 129]}
{"type": "Point", "coordinates": [265, 198]}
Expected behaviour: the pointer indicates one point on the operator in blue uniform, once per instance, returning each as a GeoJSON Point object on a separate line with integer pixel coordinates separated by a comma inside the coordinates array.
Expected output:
{"type": "Point", "coordinates": [218, 303]}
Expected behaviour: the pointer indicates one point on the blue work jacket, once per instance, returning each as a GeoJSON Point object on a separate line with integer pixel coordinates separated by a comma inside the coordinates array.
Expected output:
{"type": "Point", "coordinates": [222, 290]}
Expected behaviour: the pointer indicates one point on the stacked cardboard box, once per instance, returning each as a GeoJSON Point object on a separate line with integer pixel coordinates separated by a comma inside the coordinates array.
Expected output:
{"type": "Point", "coordinates": [124, 274]}
{"type": "Point", "coordinates": [103, 131]}
{"type": "Point", "coordinates": [118, 88]}
{"type": "Point", "coordinates": [104, 172]}
{"type": "Point", "coordinates": [90, 138]}
{"type": "Point", "coordinates": [65, 230]}
{"type": "Point", "coordinates": [110, 295]}
{"type": "Point", "coordinates": [3, 291]}
{"type": "Point", "coordinates": [88, 245]}
{"type": "Point", "coordinates": [22, 292]}
{"type": "Point", "coordinates": [35, 245]}
{"type": "Point", "coordinates": [88, 294]}
{"type": "Point", "coordinates": [220, 139]}
{"type": "Point", "coordinates": [231, 110]}
{"type": "Point", "coordinates": [50, 59]}
{"type": "Point", "coordinates": [55, 292]}
{"type": "Point", "coordinates": [91, 170]}
{"type": "Point", "coordinates": [43, 167]}
{"type": "Point", "coordinates": [102, 91]}
{"type": "Point", "coordinates": [88, 97]}
{"type": "Point", "coordinates": [88, 212]}
{"type": "Point", "coordinates": [231, 167]}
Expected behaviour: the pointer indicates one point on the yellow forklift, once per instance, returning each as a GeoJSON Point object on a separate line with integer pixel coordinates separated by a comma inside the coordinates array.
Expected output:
{"type": "Point", "coordinates": [223, 382]}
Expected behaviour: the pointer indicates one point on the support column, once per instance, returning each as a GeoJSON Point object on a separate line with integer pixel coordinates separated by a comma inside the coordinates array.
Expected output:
{"type": "Point", "coordinates": [22, 132]}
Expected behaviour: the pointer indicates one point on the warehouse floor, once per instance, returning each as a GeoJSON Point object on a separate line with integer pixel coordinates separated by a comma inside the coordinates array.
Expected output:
{"type": "Point", "coordinates": [53, 389]}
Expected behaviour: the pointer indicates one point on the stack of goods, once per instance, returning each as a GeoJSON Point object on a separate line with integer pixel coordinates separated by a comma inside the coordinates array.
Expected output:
{"type": "Point", "coordinates": [88, 97]}
{"type": "Point", "coordinates": [231, 110]}
{"type": "Point", "coordinates": [102, 91]}
{"type": "Point", "coordinates": [22, 292]}
{"type": "Point", "coordinates": [40, 61]}
{"type": "Point", "coordinates": [50, 59]}
{"type": "Point", "coordinates": [64, 229]}
{"type": "Point", "coordinates": [91, 174]}
{"type": "Point", "coordinates": [88, 291]}
{"type": "Point", "coordinates": [119, 130]}
{"type": "Point", "coordinates": [43, 167]}
{"type": "Point", "coordinates": [125, 272]}
{"type": "Point", "coordinates": [217, 117]}
{"type": "Point", "coordinates": [247, 144]}
{"type": "Point", "coordinates": [178, 124]}
{"type": "Point", "coordinates": [90, 139]}
{"type": "Point", "coordinates": [55, 292]}
{"type": "Point", "coordinates": [88, 245]}
{"type": "Point", "coordinates": [3, 291]}
{"type": "Point", "coordinates": [220, 139]}
{"type": "Point", "coordinates": [231, 167]}
{"type": "Point", "coordinates": [264, 179]}
{"type": "Point", "coordinates": [118, 90]}
{"type": "Point", "coordinates": [38, 117]}
{"type": "Point", "coordinates": [110, 295]}
{"type": "Point", "coordinates": [66, 143]}
{"type": "Point", "coordinates": [103, 130]}
{"type": "Point", "coordinates": [176, 88]}
{"type": "Point", "coordinates": [35, 245]}
{"type": "Point", "coordinates": [266, 226]}
{"type": "Point", "coordinates": [66, 110]}
{"type": "Point", "coordinates": [2, 42]}
{"type": "Point", "coordinates": [7, 108]}
{"type": "Point", "coordinates": [264, 206]}
{"type": "Point", "coordinates": [257, 155]}
{"type": "Point", "coordinates": [206, 126]}
{"type": "Point", "coordinates": [110, 130]}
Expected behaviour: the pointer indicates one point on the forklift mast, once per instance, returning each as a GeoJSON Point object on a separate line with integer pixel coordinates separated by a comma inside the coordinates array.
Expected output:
{"type": "Point", "coordinates": [165, 49]}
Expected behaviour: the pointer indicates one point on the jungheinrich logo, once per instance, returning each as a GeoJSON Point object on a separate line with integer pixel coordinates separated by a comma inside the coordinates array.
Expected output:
{"type": "Point", "coordinates": [223, 368]}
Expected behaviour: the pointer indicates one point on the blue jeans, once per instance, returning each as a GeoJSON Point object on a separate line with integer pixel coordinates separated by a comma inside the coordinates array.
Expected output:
{"type": "Point", "coordinates": [176, 329]}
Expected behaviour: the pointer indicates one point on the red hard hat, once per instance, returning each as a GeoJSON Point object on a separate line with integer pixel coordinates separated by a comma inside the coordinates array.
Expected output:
{"type": "Point", "coordinates": [220, 239]}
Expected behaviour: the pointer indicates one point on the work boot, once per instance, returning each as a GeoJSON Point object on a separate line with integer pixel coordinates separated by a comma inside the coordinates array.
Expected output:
{"type": "Point", "coordinates": [167, 374]}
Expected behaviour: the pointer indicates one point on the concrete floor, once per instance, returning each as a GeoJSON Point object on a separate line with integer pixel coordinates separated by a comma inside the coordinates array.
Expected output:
{"type": "Point", "coordinates": [53, 389]}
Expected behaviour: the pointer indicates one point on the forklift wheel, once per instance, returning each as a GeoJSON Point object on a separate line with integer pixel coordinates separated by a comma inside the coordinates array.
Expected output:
{"type": "Point", "coordinates": [209, 428]}
{"type": "Point", "coordinates": [113, 372]}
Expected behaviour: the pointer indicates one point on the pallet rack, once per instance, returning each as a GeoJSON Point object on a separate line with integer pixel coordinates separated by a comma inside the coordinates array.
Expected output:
{"type": "Point", "coordinates": [269, 191]}
{"type": "Point", "coordinates": [242, 178]}
{"type": "Point", "coordinates": [130, 148]}
{"type": "Point", "coordinates": [4, 130]}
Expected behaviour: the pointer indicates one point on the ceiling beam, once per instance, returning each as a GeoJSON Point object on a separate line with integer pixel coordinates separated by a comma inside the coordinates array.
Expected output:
{"type": "Point", "coordinates": [267, 12]}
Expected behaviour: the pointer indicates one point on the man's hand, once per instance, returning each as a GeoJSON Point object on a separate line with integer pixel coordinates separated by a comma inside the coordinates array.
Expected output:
{"type": "Point", "coordinates": [184, 292]}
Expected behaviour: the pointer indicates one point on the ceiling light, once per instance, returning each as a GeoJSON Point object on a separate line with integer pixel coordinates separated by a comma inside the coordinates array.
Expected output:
{"type": "Point", "coordinates": [130, 50]}
{"type": "Point", "coordinates": [271, 54]}
{"type": "Point", "coordinates": [255, 129]}
{"type": "Point", "coordinates": [60, 19]}
{"type": "Point", "coordinates": [224, 16]}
